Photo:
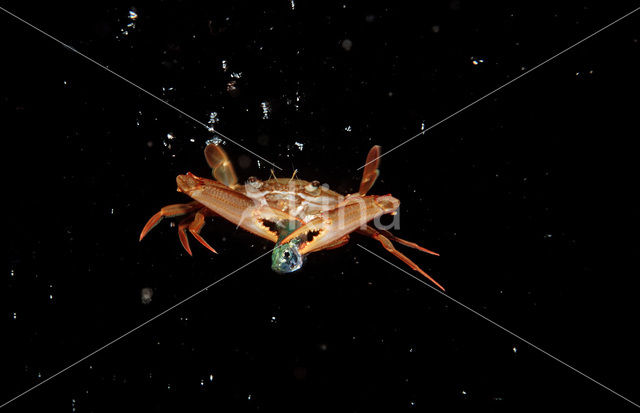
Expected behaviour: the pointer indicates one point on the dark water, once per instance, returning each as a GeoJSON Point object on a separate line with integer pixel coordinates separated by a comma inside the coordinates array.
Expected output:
{"type": "Point", "coordinates": [529, 196]}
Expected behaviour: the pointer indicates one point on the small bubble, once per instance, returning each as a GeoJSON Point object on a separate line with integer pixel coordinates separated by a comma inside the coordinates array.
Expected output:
{"type": "Point", "coordinates": [215, 140]}
{"type": "Point", "coordinates": [266, 109]}
{"type": "Point", "coordinates": [347, 44]}
{"type": "Point", "coordinates": [435, 28]}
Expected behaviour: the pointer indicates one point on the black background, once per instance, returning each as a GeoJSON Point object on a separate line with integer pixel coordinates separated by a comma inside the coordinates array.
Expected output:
{"type": "Point", "coordinates": [529, 196]}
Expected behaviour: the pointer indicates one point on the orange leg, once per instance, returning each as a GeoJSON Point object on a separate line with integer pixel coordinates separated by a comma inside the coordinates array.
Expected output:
{"type": "Point", "coordinates": [337, 243]}
{"type": "Point", "coordinates": [182, 233]}
{"type": "Point", "coordinates": [168, 212]}
{"type": "Point", "coordinates": [388, 245]}
{"type": "Point", "coordinates": [407, 243]}
{"type": "Point", "coordinates": [196, 226]}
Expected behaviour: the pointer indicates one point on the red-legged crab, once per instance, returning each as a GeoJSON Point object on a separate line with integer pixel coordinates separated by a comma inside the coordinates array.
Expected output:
{"type": "Point", "coordinates": [300, 217]}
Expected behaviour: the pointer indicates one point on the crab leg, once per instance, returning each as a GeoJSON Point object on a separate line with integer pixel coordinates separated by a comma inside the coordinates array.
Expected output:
{"type": "Point", "coordinates": [182, 233]}
{"type": "Point", "coordinates": [196, 226]}
{"type": "Point", "coordinates": [229, 204]}
{"type": "Point", "coordinates": [334, 224]}
{"type": "Point", "coordinates": [388, 245]}
{"type": "Point", "coordinates": [168, 212]}
{"type": "Point", "coordinates": [337, 244]}
{"type": "Point", "coordinates": [406, 243]}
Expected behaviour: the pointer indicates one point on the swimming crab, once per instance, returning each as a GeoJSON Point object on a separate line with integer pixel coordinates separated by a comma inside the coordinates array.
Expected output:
{"type": "Point", "coordinates": [300, 217]}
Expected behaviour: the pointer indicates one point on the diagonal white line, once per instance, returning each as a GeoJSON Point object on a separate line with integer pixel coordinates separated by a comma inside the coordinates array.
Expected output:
{"type": "Point", "coordinates": [501, 327]}
{"type": "Point", "coordinates": [501, 87]}
{"type": "Point", "coordinates": [131, 331]}
{"type": "Point", "coordinates": [211, 129]}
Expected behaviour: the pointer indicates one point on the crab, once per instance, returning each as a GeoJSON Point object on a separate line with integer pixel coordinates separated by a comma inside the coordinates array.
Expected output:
{"type": "Point", "coordinates": [299, 216]}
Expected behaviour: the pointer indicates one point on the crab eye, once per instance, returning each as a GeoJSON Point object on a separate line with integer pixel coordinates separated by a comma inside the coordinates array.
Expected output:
{"type": "Point", "coordinates": [312, 186]}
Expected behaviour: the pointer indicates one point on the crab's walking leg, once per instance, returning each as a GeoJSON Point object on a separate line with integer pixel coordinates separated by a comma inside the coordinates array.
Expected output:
{"type": "Point", "coordinates": [337, 244]}
{"type": "Point", "coordinates": [168, 212]}
{"type": "Point", "coordinates": [406, 243]}
{"type": "Point", "coordinates": [388, 245]}
{"type": "Point", "coordinates": [196, 225]}
{"type": "Point", "coordinates": [182, 233]}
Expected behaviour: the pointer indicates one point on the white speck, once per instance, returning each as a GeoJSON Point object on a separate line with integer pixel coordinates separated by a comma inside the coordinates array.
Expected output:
{"type": "Point", "coordinates": [236, 75]}
{"type": "Point", "coordinates": [348, 128]}
{"type": "Point", "coordinates": [225, 65]}
{"type": "Point", "coordinates": [112, 211]}
{"type": "Point", "coordinates": [515, 350]}
{"type": "Point", "coordinates": [50, 297]}
{"type": "Point", "coordinates": [548, 236]}
{"type": "Point", "coordinates": [12, 273]}
{"type": "Point", "coordinates": [15, 315]}
{"type": "Point", "coordinates": [249, 396]}
{"type": "Point", "coordinates": [170, 136]}
{"type": "Point", "coordinates": [133, 15]}
{"type": "Point", "coordinates": [169, 386]}
{"type": "Point", "coordinates": [202, 383]}
{"type": "Point", "coordinates": [422, 126]}
{"type": "Point", "coordinates": [300, 145]}
{"type": "Point", "coordinates": [192, 140]}
{"type": "Point", "coordinates": [266, 109]}
{"type": "Point", "coordinates": [146, 295]}
{"type": "Point", "coordinates": [464, 392]}
{"type": "Point", "coordinates": [293, 5]}
{"type": "Point", "coordinates": [412, 403]}
{"type": "Point", "coordinates": [476, 62]}
{"type": "Point", "coordinates": [210, 377]}
{"type": "Point", "coordinates": [213, 118]}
